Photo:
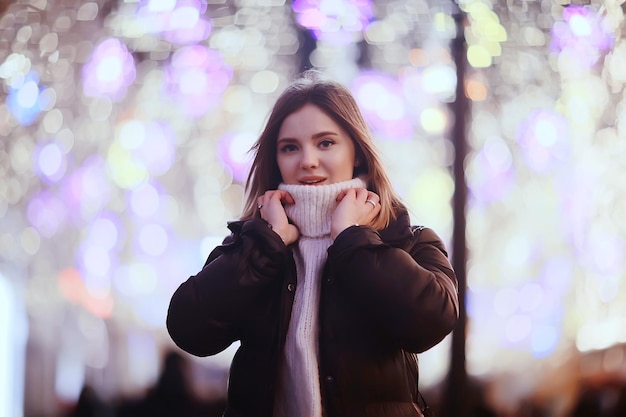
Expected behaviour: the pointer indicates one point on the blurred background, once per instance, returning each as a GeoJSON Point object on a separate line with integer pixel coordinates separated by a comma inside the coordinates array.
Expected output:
{"type": "Point", "coordinates": [125, 127]}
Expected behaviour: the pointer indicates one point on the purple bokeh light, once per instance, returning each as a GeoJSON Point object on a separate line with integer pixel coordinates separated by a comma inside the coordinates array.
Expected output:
{"type": "Point", "coordinates": [47, 213]}
{"type": "Point", "coordinates": [145, 199]}
{"type": "Point", "coordinates": [196, 79]}
{"type": "Point", "coordinates": [156, 150]}
{"type": "Point", "coordinates": [382, 102]}
{"type": "Point", "coordinates": [492, 172]}
{"type": "Point", "coordinates": [542, 137]}
{"type": "Point", "coordinates": [87, 189]}
{"type": "Point", "coordinates": [106, 231]}
{"type": "Point", "coordinates": [179, 21]}
{"type": "Point", "coordinates": [582, 32]}
{"type": "Point", "coordinates": [50, 162]}
{"type": "Point", "coordinates": [335, 21]}
{"type": "Point", "coordinates": [233, 152]}
{"type": "Point", "coordinates": [110, 71]}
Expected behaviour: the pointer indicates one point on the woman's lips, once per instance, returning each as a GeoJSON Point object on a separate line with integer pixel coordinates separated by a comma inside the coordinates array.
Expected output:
{"type": "Point", "coordinates": [311, 180]}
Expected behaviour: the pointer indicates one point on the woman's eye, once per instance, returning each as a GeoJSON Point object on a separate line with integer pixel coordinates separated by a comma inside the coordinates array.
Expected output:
{"type": "Point", "coordinates": [326, 143]}
{"type": "Point", "coordinates": [288, 148]}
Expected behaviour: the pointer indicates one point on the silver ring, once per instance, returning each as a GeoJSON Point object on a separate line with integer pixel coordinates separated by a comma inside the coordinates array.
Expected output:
{"type": "Point", "coordinates": [372, 202]}
{"type": "Point", "coordinates": [260, 206]}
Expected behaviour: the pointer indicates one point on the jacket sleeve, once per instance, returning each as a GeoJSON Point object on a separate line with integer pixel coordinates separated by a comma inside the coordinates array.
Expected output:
{"type": "Point", "coordinates": [207, 312]}
{"type": "Point", "coordinates": [410, 294]}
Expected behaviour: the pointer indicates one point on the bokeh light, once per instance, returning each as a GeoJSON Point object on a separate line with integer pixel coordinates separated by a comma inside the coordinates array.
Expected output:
{"type": "Point", "coordinates": [336, 21]}
{"type": "Point", "coordinates": [25, 98]}
{"type": "Point", "coordinates": [197, 78]}
{"type": "Point", "coordinates": [110, 71]}
{"type": "Point", "coordinates": [235, 153]}
{"type": "Point", "coordinates": [180, 22]}
{"type": "Point", "coordinates": [381, 100]}
{"type": "Point", "coordinates": [583, 34]}
{"type": "Point", "coordinates": [543, 140]}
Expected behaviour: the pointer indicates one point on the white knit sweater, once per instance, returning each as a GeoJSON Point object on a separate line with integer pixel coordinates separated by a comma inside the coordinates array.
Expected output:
{"type": "Point", "coordinates": [298, 393]}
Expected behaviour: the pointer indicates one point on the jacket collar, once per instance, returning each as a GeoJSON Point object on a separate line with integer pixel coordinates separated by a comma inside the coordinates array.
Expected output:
{"type": "Point", "coordinates": [399, 229]}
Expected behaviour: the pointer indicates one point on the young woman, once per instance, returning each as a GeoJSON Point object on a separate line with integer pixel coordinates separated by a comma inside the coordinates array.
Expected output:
{"type": "Point", "coordinates": [325, 283]}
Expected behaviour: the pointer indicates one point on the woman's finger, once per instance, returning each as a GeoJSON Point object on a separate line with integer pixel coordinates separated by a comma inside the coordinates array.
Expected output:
{"type": "Point", "coordinates": [373, 196]}
{"type": "Point", "coordinates": [285, 197]}
{"type": "Point", "coordinates": [350, 192]}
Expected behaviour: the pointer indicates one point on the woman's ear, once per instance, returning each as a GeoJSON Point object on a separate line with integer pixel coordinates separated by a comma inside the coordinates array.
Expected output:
{"type": "Point", "coordinates": [357, 163]}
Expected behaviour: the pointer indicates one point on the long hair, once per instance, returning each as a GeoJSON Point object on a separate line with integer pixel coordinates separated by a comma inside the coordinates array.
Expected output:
{"type": "Point", "coordinates": [339, 104]}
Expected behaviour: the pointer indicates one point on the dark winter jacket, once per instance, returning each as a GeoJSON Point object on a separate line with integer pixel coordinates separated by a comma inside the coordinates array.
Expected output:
{"type": "Point", "coordinates": [385, 296]}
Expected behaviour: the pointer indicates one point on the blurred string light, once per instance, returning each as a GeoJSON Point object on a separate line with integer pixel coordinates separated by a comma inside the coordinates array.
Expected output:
{"type": "Point", "coordinates": [485, 33]}
{"type": "Point", "coordinates": [334, 21]}
{"type": "Point", "coordinates": [383, 105]}
{"type": "Point", "coordinates": [545, 163]}
{"type": "Point", "coordinates": [234, 150]}
{"type": "Point", "coordinates": [543, 140]}
{"type": "Point", "coordinates": [50, 162]}
{"type": "Point", "coordinates": [181, 21]}
{"type": "Point", "coordinates": [110, 71]}
{"type": "Point", "coordinates": [178, 22]}
{"type": "Point", "coordinates": [336, 27]}
{"type": "Point", "coordinates": [582, 34]}
{"type": "Point", "coordinates": [426, 91]}
{"type": "Point", "coordinates": [13, 333]}
{"type": "Point", "coordinates": [142, 355]}
{"type": "Point", "coordinates": [142, 150]}
{"type": "Point", "coordinates": [70, 377]}
{"type": "Point", "coordinates": [582, 41]}
{"type": "Point", "coordinates": [197, 78]}
{"type": "Point", "coordinates": [26, 99]}
{"type": "Point", "coordinates": [492, 171]}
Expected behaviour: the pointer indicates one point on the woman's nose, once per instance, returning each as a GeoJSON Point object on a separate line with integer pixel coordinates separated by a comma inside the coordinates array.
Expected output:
{"type": "Point", "coordinates": [309, 159]}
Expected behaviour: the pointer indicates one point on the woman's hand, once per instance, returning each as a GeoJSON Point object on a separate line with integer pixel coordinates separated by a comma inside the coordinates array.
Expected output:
{"type": "Point", "coordinates": [270, 206]}
{"type": "Point", "coordinates": [357, 206]}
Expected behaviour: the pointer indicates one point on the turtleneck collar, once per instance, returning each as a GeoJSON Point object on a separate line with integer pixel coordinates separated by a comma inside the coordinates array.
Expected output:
{"type": "Point", "coordinates": [314, 205]}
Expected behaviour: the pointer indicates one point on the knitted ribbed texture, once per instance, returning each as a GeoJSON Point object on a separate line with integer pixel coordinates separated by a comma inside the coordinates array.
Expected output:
{"type": "Point", "coordinates": [298, 393]}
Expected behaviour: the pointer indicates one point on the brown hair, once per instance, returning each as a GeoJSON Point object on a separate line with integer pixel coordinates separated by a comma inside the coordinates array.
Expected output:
{"type": "Point", "coordinates": [339, 104]}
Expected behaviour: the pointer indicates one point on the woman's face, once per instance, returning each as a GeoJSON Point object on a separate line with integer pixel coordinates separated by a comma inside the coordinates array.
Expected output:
{"type": "Point", "coordinates": [313, 150]}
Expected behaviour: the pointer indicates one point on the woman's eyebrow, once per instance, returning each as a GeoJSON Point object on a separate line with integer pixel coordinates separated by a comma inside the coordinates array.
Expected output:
{"type": "Point", "coordinates": [286, 139]}
{"type": "Point", "coordinates": [315, 136]}
{"type": "Point", "coordinates": [324, 133]}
